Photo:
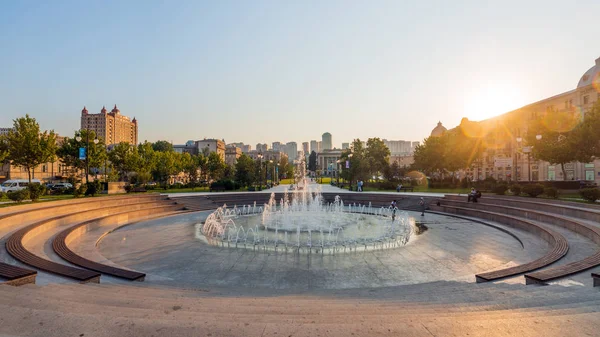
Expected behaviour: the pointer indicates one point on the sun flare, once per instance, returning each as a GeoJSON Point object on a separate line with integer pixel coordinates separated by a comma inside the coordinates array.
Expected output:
{"type": "Point", "coordinates": [490, 101]}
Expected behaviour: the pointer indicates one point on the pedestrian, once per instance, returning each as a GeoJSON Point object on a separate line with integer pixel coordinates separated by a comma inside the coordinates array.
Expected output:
{"type": "Point", "coordinates": [422, 204]}
{"type": "Point", "coordinates": [361, 185]}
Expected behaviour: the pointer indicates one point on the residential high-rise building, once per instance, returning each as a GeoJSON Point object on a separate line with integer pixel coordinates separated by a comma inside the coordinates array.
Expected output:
{"type": "Point", "coordinates": [276, 146]}
{"type": "Point", "coordinates": [305, 148]}
{"type": "Point", "coordinates": [111, 126]}
{"type": "Point", "coordinates": [345, 146]}
{"type": "Point", "coordinates": [262, 147]}
{"type": "Point", "coordinates": [326, 140]}
{"type": "Point", "coordinates": [291, 148]}
{"type": "Point", "coordinates": [314, 146]}
{"type": "Point", "coordinates": [319, 147]}
{"type": "Point", "coordinates": [232, 153]}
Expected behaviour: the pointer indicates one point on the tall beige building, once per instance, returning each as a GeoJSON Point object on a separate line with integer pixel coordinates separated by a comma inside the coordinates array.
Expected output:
{"type": "Point", "coordinates": [111, 126]}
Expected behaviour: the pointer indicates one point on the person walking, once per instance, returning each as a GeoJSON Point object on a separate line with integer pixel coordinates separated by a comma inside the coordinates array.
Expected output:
{"type": "Point", "coordinates": [422, 205]}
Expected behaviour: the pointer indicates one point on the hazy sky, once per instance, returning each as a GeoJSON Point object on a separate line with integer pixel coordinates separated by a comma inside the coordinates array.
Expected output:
{"type": "Point", "coordinates": [263, 71]}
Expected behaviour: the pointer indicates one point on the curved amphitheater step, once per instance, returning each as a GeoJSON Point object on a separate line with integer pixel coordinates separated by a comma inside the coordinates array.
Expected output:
{"type": "Point", "coordinates": [440, 309]}
{"type": "Point", "coordinates": [572, 221]}
{"type": "Point", "coordinates": [27, 244]}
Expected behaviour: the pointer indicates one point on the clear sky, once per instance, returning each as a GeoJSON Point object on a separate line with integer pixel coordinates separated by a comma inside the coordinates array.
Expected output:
{"type": "Point", "coordinates": [263, 71]}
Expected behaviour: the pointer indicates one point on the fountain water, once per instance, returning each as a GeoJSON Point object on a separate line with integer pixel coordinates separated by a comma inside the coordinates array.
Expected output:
{"type": "Point", "coordinates": [304, 221]}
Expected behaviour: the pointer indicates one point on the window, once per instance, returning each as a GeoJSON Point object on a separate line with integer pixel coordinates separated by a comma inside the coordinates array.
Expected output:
{"type": "Point", "coordinates": [44, 168]}
{"type": "Point", "coordinates": [586, 99]}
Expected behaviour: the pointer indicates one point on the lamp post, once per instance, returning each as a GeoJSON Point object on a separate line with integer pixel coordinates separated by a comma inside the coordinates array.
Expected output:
{"type": "Point", "coordinates": [277, 172]}
{"type": "Point", "coordinates": [349, 173]}
{"type": "Point", "coordinates": [337, 173]}
{"type": "Point", "coordinates": [87, 153]}
{"type": "Point", "coordinates": [273, 176]}
{"type": "Point", "coordinates": [260, 157]}
{"type": "Point", "coordinates": [528, 151]}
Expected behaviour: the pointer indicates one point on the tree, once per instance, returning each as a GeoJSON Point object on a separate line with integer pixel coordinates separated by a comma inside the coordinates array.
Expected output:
{"type": "Point", "coordinates": [312, 161]}
{"type": "Point", "coordinates": [554, 147]}
{"type": "Point", "coordinates": [123, 159]}
{"type": "Point", "coordinates": [377, 156]}
{"type": "Point", "coordinates": [28, 147]}
{"type": "Point", "coordinates": [145, 161]}
{"type": "Point", "coordinates": [68, 152]}
{"type": "Point", "coordinates": [216, 166]}
{"type": "Point", "coordinates": [429, 156]}
{"type": "Point", "coordinates": [3, 149]}
{"type": "Point", "coordinates": [245, 170]}
{"type": "Point", "coordinates": [162, 146]}
{"type": "Point", "coordinates": [167, 165]}
{"type": "Point", "coordinates": [190, 166]}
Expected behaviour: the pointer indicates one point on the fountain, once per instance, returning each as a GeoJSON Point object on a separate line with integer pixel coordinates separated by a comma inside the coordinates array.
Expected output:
{"type": "Point", "coordinates": [304, 222]}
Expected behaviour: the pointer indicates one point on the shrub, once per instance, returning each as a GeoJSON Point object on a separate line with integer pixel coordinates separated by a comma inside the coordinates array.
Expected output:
{"type": "Point", "coordinates": [18, 196]}
{"type": "Point", "coordinates": [500, 189]}
{"type": "Point", "coordinates": [590, 194]}
{"type": "Point", "coordinates": [36, 191]}
{"type": "Point", "coordinates": [515, 189]}
{"type": "Point", "coordinates": [79, 192]}
{"type": "Point", "coordinates": [1, 194]}
{"type": "Point", "coordinates": [551, 192]}
{"type": "Point", "coordinates": [533, 190]}
{"type": "Point", "coordinates": [93, 188]}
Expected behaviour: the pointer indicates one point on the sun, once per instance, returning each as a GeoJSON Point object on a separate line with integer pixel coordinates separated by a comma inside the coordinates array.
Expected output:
{"type": "Point", "coordinates": [489, 101]}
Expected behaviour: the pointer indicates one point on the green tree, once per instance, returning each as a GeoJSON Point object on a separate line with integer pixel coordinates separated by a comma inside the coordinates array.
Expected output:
{"type": "Point", "coordinates": [68, 152]}
{"type": "Point", "coordinates": [312, 161]}
{"type": "Point", "coordinates": [162, 146]}
{"type": "Point", "coordinates": [245, 170]}
{"type": "Point", "coordinates": [144, 161]}
{"type": "Point", "coordinates": [28, 147]}
{"type": "Point", "coordinates": [216, 166]}
{"type": "Point", "coordinates": [167, 165]}
{"type": "Point", "coordinates": [429, 157]}
{"type": "Point", "coordinates": [3, 149]}
{"type": "Point", "coordinates": [191, 167]}
{"type": "Point", "coordinates": [376, 156]}
{"type": "Point", "coordinates": [124, 159]}
{"type": "Point", "coordinates": [555, 147]}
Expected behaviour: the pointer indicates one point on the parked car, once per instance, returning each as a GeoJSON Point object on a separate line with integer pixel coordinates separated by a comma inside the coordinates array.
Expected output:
{"type": "Point", "coordinates": [16, 184]}
{"type": "Point", "coordinates": [61, 186]}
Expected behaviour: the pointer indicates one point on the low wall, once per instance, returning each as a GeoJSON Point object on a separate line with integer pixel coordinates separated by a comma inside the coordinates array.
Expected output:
{"type": "Point", "coordinates": [116, 187]}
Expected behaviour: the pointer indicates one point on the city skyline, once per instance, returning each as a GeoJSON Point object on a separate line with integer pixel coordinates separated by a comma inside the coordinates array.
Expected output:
{"type": "Point", "coordinates": [296, 70]}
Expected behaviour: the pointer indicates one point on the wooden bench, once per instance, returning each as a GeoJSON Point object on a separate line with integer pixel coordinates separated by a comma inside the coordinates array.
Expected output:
{"type": "Point", "coordinates": [596, 278]}
{"type": "Point", "coordinates": [217, 189]}
{"type": "Point", "coordinates": [406, 189]}
{"type": "Point", "coordinates": [544, 276]}
{"type": "Point", "coordinates": [16, 275]}
{"type": "Point", "coordinates": [558, 243]}
{"type": "Point", "coordinates": [15, 247]}
{"type": "Point", "coordinates": [15, 243]}
{"type": "Point", "coordinates": [138, 190]}
{"type": "Point", "coordinates": [60, 246]}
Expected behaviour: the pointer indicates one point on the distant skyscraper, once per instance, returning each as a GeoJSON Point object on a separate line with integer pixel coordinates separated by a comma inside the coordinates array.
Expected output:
{"type": "Point", "coordinates": [262, 147]}
{"type": "Point", "coordinates": [305, 148]}
{"type": "Point", "coordinates": [276, 146]}
{"type": "Point", "coordinates": [345, 146]}
{"type": "Point", "coordinates": [319, 147]}
{"type": "Point", "coordinates": [291, 148]}
{"type": "Point", "coordinates": [414, 145]}
{"type": "Point", "coordinates": [327, 141]}
{"type": "Point", "coordinates": [314, 146]}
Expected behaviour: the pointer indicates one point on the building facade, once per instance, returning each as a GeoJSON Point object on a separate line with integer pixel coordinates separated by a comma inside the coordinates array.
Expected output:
{"type": "Point", "coordinates": [507, 156]}
{"type": "Point", "coordinates": [112, 127]}
{"type": "Point", "coordinates": [207, 146]}
{"type": "Point", "coordinates": [232, 153]}
{"type": "Point", "coordinates": [314, 146]}
{"type": "Point", "coordinates": [327, 162]}
{"type": "Point", "coordinates": [291, 149]}
{"type": "Point", "coordinates": [262, 147]}
{"type": "Point", "coordinates": [326, 141]}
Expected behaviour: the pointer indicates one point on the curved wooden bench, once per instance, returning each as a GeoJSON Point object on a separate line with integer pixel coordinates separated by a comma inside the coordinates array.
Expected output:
{"type": "Point", "coordinates": [61, 247]}
{"type": "Point", "coordinates": [16, 275]}
{"type": "Point", "coordinates": [16, 248]}
{"type": "Point", "coordinates": [558, 243]}
{"type": "Point", "coordinates": [543, 276]}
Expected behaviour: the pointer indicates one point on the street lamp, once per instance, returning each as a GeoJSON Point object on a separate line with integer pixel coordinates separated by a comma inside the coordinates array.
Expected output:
{"type": "Point", "coordinates": [528, 151]}
{"type": "Point", "coordinates": [277, 172]}
{"type": "Point", "coordinates": [349, 173]}
{"type": "Point", "coordinates": [260, 157]}
{"type": "Point", "coordinates": [337, 173]}
{"type": "Point", "coordinates": [273, 176]}
{"type": "Point", "coordinates": [87, 153]}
